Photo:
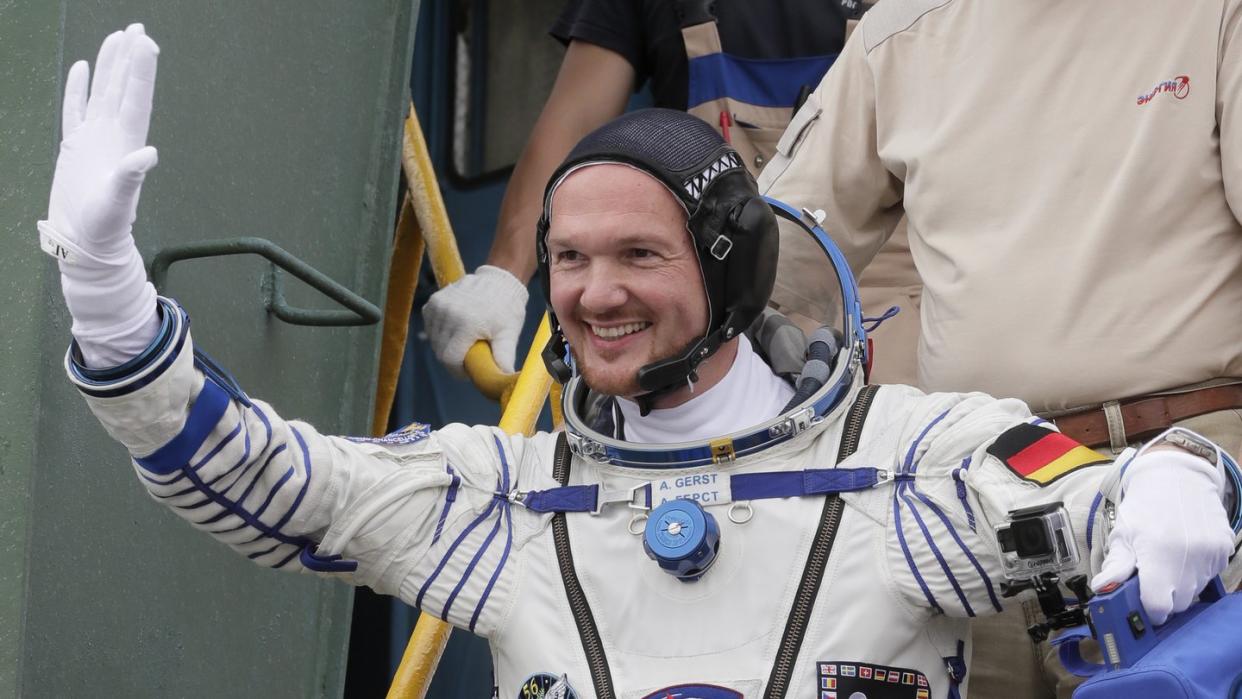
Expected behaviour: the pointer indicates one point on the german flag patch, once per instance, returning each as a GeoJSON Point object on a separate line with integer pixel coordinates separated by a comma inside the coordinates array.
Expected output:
{"type": "Point", "coordinates": [1041, 455]}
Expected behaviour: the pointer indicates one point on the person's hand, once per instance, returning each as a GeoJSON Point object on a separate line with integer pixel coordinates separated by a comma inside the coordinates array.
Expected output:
{"type": "Point", "coordinates": [99, 174]}
{"type": "Point", "coordinates": [1171, 527]}
{"type": "Point", "coordinates": [487, 305]}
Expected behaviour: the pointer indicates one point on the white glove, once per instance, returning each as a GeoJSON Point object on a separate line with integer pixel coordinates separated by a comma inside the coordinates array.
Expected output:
{"type": "Point", "coordinates": [1172, 527]}
{"type": "Point", "coordinates": [487, 305]}
{"type": "Point", "coordinates": [99, 173]}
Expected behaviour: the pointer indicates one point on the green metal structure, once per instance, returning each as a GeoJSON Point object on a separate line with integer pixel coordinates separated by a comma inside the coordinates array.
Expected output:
{"type": "Point", "coordinates": [275, 121]}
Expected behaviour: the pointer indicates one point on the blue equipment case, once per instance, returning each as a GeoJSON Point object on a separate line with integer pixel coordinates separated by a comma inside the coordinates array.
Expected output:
{"type": "Point", "coordinates": [1195, 655]}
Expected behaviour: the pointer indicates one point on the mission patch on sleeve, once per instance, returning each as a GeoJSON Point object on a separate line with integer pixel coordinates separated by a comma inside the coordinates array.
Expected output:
{"type": "Point", "coordinates": [1042, 455]}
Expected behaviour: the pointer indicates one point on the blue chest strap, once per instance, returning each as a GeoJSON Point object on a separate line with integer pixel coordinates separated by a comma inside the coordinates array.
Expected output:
{"type": "Point", "coordinates": [745, 486]}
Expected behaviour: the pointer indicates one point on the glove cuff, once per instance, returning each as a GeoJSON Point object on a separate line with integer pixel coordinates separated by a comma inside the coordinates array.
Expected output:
{"type": "Point", "coordinates": [70, 254]}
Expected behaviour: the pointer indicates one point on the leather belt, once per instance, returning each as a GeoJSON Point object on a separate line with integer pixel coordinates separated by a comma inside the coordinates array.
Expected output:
{"type": "Point", "coordinates": [1147, 416]}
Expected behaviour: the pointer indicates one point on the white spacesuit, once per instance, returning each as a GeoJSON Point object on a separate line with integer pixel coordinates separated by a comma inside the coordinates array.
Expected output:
{"type": "Point", "coordinates": [848, 539]}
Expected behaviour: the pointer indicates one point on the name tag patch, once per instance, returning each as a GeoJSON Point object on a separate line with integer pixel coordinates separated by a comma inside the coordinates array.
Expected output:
{"type": "Point", "coordinates": [840, 680]}
{"type": "Point", "coordinates": [703, 488]}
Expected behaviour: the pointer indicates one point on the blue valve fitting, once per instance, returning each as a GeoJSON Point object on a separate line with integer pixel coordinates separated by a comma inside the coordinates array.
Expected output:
{"type": "Point", "coordinates": [682, 538]}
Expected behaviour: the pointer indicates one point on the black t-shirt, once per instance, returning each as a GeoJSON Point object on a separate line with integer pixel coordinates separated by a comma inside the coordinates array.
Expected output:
{"type": "Point", "coordinates": [648, 35]}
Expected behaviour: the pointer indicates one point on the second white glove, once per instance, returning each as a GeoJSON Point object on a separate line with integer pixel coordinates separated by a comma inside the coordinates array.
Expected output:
{"type": "Point", "coordinates": [487, 305]}
{"type": "Point", "coordinates": [1171, 527]}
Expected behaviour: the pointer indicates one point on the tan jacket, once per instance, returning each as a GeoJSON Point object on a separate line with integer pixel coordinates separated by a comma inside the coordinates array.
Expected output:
{"type": "Point", "coordinates": [1068, 173]}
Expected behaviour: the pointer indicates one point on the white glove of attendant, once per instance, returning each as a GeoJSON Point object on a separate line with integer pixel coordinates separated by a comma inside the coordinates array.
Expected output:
{"type": "Point", "coordinates": [1171, 527]}
{"type": "Point", "coordinates": [487, 305]}
{"type": "Point", "coordinates": [99, 173]}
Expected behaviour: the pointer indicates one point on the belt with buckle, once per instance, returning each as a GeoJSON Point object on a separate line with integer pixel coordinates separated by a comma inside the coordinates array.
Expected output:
{"type": "Point", "coordinates": [1146, 416]}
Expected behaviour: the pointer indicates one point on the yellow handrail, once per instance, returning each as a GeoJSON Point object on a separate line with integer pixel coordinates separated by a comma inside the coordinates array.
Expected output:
{"type": "Point", "coordinates": [407, 257]}
{"type": "Point", "coordinates": [442, 249]}
{"type": "Point", "coordinates": [521, 395]}
{"type": "Point", "coordinates": [422, 653]}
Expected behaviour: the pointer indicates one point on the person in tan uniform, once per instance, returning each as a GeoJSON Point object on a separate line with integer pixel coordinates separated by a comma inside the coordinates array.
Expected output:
{"type": "Point", "coordinates": [738, 65]}
{"type": "Point", "coordinates": [1070, 176]}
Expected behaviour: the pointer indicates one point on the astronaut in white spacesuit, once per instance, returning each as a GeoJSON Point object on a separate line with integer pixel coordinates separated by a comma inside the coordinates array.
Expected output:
{"type": "Point", "coordinates": [721, 517]}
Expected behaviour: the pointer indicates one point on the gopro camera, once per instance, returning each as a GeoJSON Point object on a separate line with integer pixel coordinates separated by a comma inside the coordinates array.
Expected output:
{"type": "Point", "coordinates": [1037, 540]}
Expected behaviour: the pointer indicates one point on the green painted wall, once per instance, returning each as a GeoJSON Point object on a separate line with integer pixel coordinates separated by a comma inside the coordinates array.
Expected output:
{"type": "Point", "coordinates": [278, 120]}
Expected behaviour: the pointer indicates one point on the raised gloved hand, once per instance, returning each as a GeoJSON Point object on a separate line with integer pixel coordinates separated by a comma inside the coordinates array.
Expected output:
{"type": "Point", "coordinates": [487, 305]}
{"type": "Point", "coordinates": [1171, 527]}
{"type": "Point", "coordinates": [99, 173]}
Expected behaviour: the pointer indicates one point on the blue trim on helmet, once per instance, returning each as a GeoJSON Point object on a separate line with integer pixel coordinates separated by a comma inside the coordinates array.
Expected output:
{"type": "Point", "coordinates": [761, 82]}
{"type": "Point", "coordinates": [849, 285]}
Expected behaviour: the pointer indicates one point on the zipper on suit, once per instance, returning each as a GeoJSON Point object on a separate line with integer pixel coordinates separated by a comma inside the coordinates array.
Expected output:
{"type": "Point", "coordinates": [817, 559]}
{"type": "Point", "coordinates": [588, 632]}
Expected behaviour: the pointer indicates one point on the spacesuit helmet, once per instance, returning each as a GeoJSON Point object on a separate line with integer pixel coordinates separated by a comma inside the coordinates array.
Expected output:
{"type": "Point", "coordinates": [770, 272]}
{"type": "Point", "coordinates": [732, 230]}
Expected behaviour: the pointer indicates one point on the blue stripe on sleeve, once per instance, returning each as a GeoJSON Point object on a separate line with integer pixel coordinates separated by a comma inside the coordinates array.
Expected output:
{"type": "Point", "coordinates": [1095, 505]}
{"type": "Point", "coordinates": [908, 466]}
{"type": "Point", "coordinates": [474, 561]}
{"type": "Point", "coordinates": [504, 557]}
{"type": "Point", "coordinates": [260, 554]}
{"type": "Point", "coordinates": [210, 455]}
{"type": "Point", "coordinates": [271, 494]}
{"type": "Point", "coordinates": [306, 465]}
{"type": "Point", "coordinates": [267, 426]}
{"type": "Point", "coordinates": [253, 481]}
{"type": "Point", "coordinates": [204, 415]}
{"type": "Point", "coordinates": [507, 513]}
{"type": "Point", "coordinates": [242, 460]}
{"type": "Point", "coordinates": [944, 519]}
{"type": "Point", "coordinates": [450, 497]}
{"type": "Point", "coordinates": [296, 553]}
{"type": "Point", "coordinates": [418, 601]}
{"type": "Point", "coordinates": [905, 549]}
{"type": "Point", "coordinates": [944, 565]}
{"type": "Point", "coordinates": [231, 507]}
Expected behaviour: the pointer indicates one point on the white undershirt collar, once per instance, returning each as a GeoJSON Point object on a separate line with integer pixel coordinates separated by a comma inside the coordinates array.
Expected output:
{"type": "Point", "coordinates": [747, 396]}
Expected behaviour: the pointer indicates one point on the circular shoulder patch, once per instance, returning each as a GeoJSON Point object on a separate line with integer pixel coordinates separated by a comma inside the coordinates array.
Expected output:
{"type": "Point", "coordinates": [543, 685]}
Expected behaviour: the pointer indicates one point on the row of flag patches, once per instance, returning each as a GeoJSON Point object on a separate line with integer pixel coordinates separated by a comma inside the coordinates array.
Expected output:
{"type": "Point", "coordinates": [832, 674]}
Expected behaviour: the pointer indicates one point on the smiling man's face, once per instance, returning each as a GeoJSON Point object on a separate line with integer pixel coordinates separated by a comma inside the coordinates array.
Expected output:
{"type": "Point", "coordinates": [625, 282]}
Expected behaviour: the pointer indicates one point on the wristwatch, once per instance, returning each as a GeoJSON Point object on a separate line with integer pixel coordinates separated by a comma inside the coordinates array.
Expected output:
{"type": "Point", "coordinates": [1189, 441]}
